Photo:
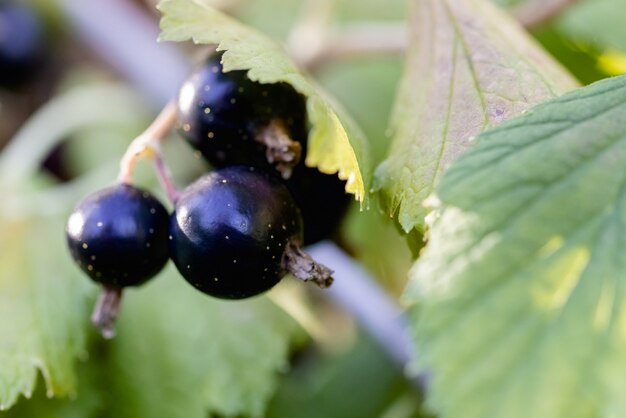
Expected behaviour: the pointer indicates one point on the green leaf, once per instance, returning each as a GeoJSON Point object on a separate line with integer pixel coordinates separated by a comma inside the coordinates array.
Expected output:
{"type": "Point", "coordinates": [469, 67]}
{"type": "Point", "coordinates": [318, 387]}
{"type": "Point", "coordinates": [599, 22]}
{"type": "Point", "coordinates": [519, 297]}
{"type": "Point", "coordinates": [42, 309]}
{"type": "Point", "coordinates": [87, 403]}
{"type": "Point", "coordinates": [179, 353]}
{"type": "Point", "coordinates": [509, 3]}
{"type": "Point", "coordinates": [578, 57]}
{"type": "Point", "coordinates": [199, 354]}
{"type": "Point", "coordinates": [335, 144]}
{"type": "Point", "coordinates": [43, 298]}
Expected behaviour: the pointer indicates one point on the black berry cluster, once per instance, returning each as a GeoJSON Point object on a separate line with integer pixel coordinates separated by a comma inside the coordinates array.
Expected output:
{"type": "Point", "coordinates": [237, 230]}
{"type": "Point", "coordinates": [231, 120]}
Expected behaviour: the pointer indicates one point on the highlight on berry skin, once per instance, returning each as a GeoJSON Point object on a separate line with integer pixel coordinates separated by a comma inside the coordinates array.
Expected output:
{"type": "Point", "coordinates": [236, 232]}
{"type": "Point", "coordinates": [118, 237]}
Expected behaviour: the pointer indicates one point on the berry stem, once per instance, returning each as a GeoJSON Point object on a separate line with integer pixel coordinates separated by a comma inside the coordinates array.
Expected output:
{"type": "Point", "coordinates": [303, 267]}
{"type": "Point", "coordinates": [279, 147]}
{"type": "Point", "coordinates": [106, 310]}
{"type": "Point", "coordinates": [165, 178]}
{"type": "Point", "coordinates": [147, 145]}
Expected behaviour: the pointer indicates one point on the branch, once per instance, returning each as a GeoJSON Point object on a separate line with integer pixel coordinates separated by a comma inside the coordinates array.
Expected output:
{"type": "Point", "coordinates": [313, 45]}
{"type": "Point", "coordinates": [359, 40]}
{"type": "Point", "coordinates": [307, 38]}
{"type": "Point", "coordinates": [534, 13]}
{"type": "Point", "coordinates": [358, 293]}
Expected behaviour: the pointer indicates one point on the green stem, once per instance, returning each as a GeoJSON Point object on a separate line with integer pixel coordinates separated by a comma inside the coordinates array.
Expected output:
{"type": "Point", "coordinates": [75, 110]}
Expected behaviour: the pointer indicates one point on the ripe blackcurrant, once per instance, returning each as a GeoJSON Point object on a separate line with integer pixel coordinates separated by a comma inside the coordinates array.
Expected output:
{"type": "Point", "coordinates": [21, 44]}
{"type": "Point", "coordinates": [236, 232]}
{"type": "Point", "coordinates": [119, 237]}
{"type": "Point", "coordinates": [232, 120]}
{"type": "Point", "coordinates": [322, 200]}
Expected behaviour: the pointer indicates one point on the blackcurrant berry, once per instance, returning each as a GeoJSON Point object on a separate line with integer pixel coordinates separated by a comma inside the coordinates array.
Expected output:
{"type": "Point", "coordinates": [322, 200]}
{"type": "Point", "coordinates": [119, 237]}
{"type": "Point", "coordinates": [232, 120]}
{"type": "Point", "coordinates": [236, 232]}
{"type": "Point", "coordinates": [21, 44]}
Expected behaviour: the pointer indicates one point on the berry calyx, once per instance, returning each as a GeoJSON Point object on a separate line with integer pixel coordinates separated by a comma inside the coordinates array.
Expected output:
{"type": "Point", "coordinates": [236, 232]}
{"type": "Point", "coordinates": [118, 237]}
{"type": "Point", "coordinates": [233, 120]}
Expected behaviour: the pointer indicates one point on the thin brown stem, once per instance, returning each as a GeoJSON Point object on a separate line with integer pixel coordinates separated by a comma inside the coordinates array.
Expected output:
{"type": "Point", "coordinates": [280, 149]}
{"type": "Point", "coordinates": [303, 267]}
{"type": "Point", "coordinates": [106, 310]}
{"type": "Point", "coordinates": [147, 144]}
{"type": "Point", "coordinates": [165, 178]}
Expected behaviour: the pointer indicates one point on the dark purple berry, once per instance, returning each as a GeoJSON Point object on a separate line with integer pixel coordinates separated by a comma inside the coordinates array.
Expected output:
{"type": "Point", "coordinates": [119, 237]}
{"type": "Point", "coordinates": [236, 232]}
{"type": "Point", "coordinates": [232, 120]}
{"type": "Point", "coordinates": [223, 115]}
{"type": "Point", "coordinates": [21, 44]}
{"type": "Point", "coordinates": [322, 199]}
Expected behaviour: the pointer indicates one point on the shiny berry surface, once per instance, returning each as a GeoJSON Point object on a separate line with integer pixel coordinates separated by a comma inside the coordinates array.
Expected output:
{"type": "Point", "coordinates": [119, 236]}
{"type": "Point", "coordinates": [220, 114]}
{"type": "Point", "coordinates": [322, 200]}
{"type": "Point", "coordinates": [230, 230]}
{"type": "Point", "coordinates": [21, 43]}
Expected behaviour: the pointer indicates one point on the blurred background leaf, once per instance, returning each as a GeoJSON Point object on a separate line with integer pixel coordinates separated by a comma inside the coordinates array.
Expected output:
{"type": "Point", "coordinates": [360, 382]}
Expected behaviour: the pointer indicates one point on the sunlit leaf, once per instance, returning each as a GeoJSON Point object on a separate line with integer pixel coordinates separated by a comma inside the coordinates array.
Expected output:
{"type": "Point", "coordinates": [43, 310]}
{"type": "Point", "coordinates": [470, 66]}
{"type": "Point", "coordinates": [519, 296]}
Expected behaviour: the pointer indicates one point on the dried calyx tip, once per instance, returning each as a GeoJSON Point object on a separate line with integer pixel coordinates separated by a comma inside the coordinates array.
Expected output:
{"type": "Point", "coordinates": [106, 310]}
{"type": "Point", "coordinates": [279, 147]}
{"type": "Point", "coordinates": [301, 265]}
